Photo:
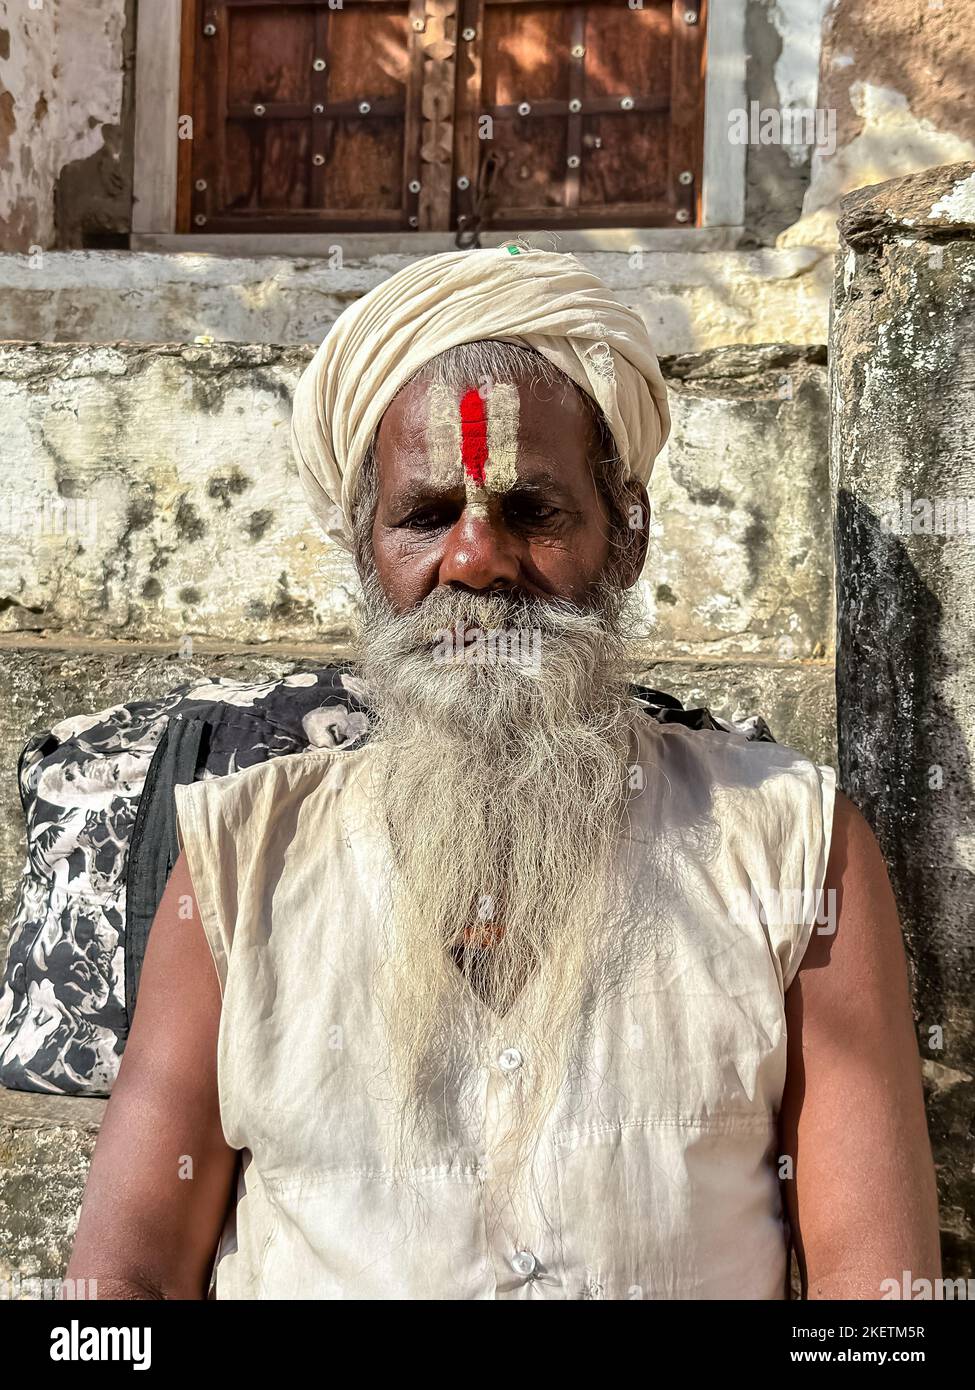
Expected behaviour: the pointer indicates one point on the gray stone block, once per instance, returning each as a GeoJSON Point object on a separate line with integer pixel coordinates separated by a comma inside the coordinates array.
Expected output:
{"type": "Point", "coordinates": [903, 339]}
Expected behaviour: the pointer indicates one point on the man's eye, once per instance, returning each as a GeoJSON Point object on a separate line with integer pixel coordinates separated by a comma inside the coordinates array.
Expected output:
{"type": "Point", "coordinates": [536, 513]}
{"type": "Point", "coordinates": [427, 520]}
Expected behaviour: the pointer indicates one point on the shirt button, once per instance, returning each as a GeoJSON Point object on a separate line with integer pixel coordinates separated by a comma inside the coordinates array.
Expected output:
{"type": "Point", "coordinates": [524, 1263]}
{"type": "Point", "coordinates": [510, 1059]}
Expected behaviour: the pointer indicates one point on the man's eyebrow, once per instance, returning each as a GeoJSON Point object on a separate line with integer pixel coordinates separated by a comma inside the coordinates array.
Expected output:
{"type": "Point", "coordinates": [415, 491]}
{"type": "Point", "coordinates": [540, 481]}
{"type": "Point", "coordinates": [544, 484]}
{"type": "Point", "coordinates": [421, 490]}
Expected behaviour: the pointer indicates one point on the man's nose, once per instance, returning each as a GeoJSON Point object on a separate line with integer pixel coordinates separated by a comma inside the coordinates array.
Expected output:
{"type": "Point", "coordinates": [481, 553]}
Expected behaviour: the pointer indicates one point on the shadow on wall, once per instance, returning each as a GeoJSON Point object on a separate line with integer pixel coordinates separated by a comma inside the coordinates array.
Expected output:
{"type": "Point", "coordinates": [903, 758]}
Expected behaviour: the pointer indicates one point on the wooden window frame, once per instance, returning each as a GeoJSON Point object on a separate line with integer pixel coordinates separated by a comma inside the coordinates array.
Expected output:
{"type": "Point", "coordinates": [160, 154]}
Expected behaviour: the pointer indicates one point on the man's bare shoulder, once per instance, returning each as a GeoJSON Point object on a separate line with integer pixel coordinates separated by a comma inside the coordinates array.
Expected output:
{"type": "Point", "coordinates": [869, 941]}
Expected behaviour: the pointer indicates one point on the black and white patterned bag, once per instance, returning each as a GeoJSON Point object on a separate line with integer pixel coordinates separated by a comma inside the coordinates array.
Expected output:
{"type": "Point", "coordinates": [101, 840]}
{"type": "Point", "coordinates": [97, 793]}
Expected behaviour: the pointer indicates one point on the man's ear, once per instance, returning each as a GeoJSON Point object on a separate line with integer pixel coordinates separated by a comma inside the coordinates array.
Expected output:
{"type": "Point", "coordinates": [638, 519]}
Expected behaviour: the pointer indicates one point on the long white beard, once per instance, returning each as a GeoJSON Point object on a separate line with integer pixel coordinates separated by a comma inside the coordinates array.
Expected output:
{"type": "Point", "coordinates": [502, 788]}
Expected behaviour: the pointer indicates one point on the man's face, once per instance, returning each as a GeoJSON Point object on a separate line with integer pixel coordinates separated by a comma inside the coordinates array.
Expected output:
{"type": "Point", "coordinates": [532, 520]}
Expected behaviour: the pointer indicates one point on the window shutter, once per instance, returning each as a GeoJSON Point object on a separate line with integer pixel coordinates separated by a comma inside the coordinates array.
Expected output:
{"type": "Point", "coordinates": [304, 116]}
{"type": "Point", "coordinates": [581, 113]}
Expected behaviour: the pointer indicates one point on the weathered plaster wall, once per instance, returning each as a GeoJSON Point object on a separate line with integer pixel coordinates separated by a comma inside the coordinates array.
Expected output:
{"type": "Point", "coordinates": [65, 122]}
{"type": "Point", "coordinates": [899, 74]}
{"type": "Point", "coordinates": [903, 396]}
{"type": "Point", "coordinates": [782, 40]}
{"type": "Point", "coordinates": [45, 1146]}
{"type": "Point", "coordinates": [149, 492]}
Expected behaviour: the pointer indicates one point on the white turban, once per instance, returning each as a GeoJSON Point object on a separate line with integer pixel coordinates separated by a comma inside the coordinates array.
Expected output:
{"type": "Point", "coordinates": [541, 299]}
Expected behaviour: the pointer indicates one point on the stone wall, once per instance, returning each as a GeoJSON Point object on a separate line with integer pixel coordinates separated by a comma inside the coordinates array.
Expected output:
{"type": "Point", "coordinates": [898, 76]}
{"type": "Point", "coordinates": [150, 492]}
{"type": "Point", "coordinates": [782, 41]}
{"type": "Point", "coordinates": [46, 1144]}
{"type": "Point", "coordinates": [903, 396]}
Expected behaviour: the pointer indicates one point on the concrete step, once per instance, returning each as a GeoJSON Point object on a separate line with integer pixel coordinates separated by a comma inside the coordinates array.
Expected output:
{"type": "Point", "coordinates": [691, 301]}
{"type": "Point", "coordinates": [148, 492]}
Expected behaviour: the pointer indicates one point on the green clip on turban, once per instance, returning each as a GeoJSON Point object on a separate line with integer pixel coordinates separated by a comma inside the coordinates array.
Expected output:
{"type": "Point", "coordinates": [542, 299]}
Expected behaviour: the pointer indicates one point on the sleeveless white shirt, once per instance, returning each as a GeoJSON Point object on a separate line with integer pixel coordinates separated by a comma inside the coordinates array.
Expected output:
{"type": "Point", "coordinates": [657, 1175]}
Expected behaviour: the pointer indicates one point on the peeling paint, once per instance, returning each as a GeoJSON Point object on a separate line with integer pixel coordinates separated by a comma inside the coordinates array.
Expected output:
{"type": "Point", "coordinates": [959, 204]}
{"type": "Point", "coordinates": [799, 24]}
{"type": "Point", "coordinates": [892, 142]}
{"type": "Point", "coordinates": [891, 72]}
{"type": "Point", "coordinates": [62, 75]}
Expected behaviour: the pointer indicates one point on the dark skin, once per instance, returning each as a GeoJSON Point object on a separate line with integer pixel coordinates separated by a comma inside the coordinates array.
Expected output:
{"type": "Point", "coordinates": [548, 536]}
{"type": "Point", "coordinates": [862, 1199]}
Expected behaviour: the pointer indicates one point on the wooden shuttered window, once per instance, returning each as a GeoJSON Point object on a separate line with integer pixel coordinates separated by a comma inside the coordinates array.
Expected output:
{"type": "Point", "coordinates": [380, 115]}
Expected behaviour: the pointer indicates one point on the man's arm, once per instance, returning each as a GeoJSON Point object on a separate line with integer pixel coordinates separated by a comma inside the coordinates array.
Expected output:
{"type": "Point", "coordinates": [863, 1204]}
{"type": "Point", "coordinates": [162, 1172]}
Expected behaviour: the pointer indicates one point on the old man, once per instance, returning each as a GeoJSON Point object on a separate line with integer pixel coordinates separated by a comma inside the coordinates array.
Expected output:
{"type": "Point", "coordinates": [528, 995]}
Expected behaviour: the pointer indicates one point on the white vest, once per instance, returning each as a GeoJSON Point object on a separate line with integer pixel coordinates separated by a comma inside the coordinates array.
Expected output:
{"type": "Point", "coordinates": [658, 1172]}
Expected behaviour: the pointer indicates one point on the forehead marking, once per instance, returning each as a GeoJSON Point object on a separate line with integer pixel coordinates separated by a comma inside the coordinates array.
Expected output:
{"type": "Point", "coordinates": [474, 438]}
{"type": "Point", "coordinates": [443, 437]}
{"type": "Point", "coordinates": [474, 435]}
{"type": "Point", "coordinates": [501, 471]}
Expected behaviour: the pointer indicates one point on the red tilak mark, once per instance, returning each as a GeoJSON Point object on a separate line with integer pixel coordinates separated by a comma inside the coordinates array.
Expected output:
{"type": "Point", "coordinates": [473, 435]}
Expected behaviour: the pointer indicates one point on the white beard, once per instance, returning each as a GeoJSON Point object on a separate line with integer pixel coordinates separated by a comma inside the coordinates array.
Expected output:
{"type": "Point", "coordinates": [502, 788]}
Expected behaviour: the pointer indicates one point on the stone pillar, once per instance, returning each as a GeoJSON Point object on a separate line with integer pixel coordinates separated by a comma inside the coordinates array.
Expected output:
{"type": "Point", "coordinates": [902, 385]}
